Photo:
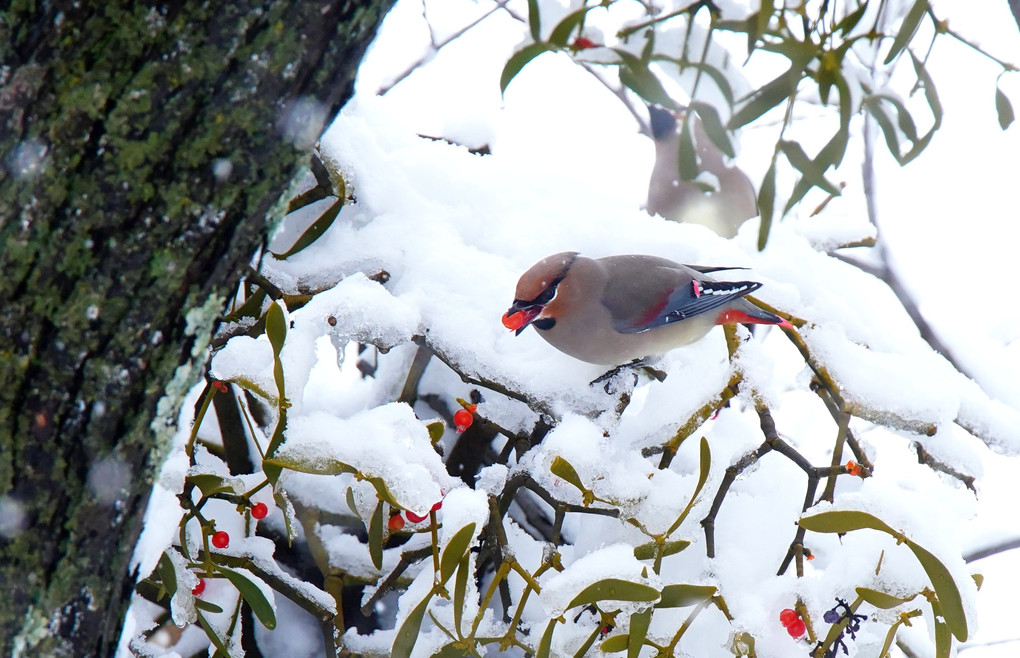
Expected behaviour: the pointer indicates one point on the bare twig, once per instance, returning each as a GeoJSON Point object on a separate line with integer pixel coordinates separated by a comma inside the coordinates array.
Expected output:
{"type": "Point", "coordinates": [886, 272]}
{"type": "Point", "coordinates": [414, 374]}
{"type": "Point", "coordinates": [621, 94]}
{"type": "Point", "coordinates": [994, 549]}
{"type": "Point", "coordinates": [879, 416]}
{"type": "Point", "coordinates": [696, 420]}
{"type": "Point", "coordinates": [926, 458]}
{"type": "Point", "coordinates": [478, 380]}
{"type": "Point", "coordinates": [407, 558]}
{"type": "Point", "coordinates": [837, 415]}
{"type": "Point", "coordinates": [708, 523]}
{"type": "Point", "coordinates": [295, 594]}
{"type": "Point", "coordinates": [814, 474]}
{"type": "Point", "coordinates": [837, 455]}
{"type": "Point", "coordinates": [436, 47]}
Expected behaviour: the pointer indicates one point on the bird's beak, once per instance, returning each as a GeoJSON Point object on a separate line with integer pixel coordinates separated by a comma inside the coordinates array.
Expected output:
{"type": "Point", "coordinates": [520, 315]}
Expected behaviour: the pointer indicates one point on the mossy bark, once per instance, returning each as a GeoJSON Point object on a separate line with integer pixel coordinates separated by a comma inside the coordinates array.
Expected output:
{"type": "Point", "coordinates": [142, 158]}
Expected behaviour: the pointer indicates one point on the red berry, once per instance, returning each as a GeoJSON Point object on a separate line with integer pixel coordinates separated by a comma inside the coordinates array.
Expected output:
{"type": "Point", "coordinates": [396, 523]}
{"type": "Point", "coordinates": [199, 588]}
{"type": "Point", "coordinates": [788, 616]}
{"type": "Point", "coordinates": [259, 511]}
{"type": "Point", "coordinates": [513, 322]}
{"type": "Point", "coordinates": [854, 468]}
{"type": "Point", "coordinates": [414, 518]}
{"type": "Point", "coordinates": [582, 43]}
{"type": "Point", "coordinates": [796, 628]}
{"type": "Point", "coordinates": [463, 419]}
{"type": "Point", "coordinates": [220, 539]}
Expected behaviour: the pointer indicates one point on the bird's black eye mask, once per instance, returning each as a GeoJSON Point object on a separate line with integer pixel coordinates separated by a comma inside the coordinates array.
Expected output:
{"type": "Point", "coordinates": [547, 294]}
{"type": "Point", "coordinates": [543, 298]}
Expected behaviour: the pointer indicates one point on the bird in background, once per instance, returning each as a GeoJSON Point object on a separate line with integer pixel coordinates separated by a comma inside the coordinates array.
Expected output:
{"type": "Point", "coordinates": [612, 310]}
{"type": "Point", "coordinates": [723, 210]}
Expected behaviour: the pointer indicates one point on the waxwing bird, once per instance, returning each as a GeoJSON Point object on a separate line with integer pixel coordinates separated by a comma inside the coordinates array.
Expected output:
{"type": "Point", "coordinates": [612, 310]}
{"type": "Point", "coordinates": [671, 197]}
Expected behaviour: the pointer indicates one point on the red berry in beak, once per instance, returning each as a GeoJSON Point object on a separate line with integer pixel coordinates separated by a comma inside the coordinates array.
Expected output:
{"type": "Point", "coordinates": [513, 322]}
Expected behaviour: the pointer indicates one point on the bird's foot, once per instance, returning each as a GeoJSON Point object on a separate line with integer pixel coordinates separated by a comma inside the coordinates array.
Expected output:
{"type": "Point", "coordinates": [653, 372]}
{"type": "Point", "coordinates": [612, 376]}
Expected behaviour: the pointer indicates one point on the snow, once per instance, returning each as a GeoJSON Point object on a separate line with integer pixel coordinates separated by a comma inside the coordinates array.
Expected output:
{"type": "Point", "coordinates": [387, 442]}
{"type": "Point", "coordinates": [454, 230]}
{"type": "Point", "coordinates": [615, 561]}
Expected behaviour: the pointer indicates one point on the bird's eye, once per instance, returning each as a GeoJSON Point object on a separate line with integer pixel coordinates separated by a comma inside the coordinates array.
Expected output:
{"type": "Point", "coordinates": [547, 294]}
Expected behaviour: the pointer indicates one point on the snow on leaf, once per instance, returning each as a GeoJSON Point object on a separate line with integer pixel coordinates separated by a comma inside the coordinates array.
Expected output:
{"type": "Point", "coordinates": [386, 442]}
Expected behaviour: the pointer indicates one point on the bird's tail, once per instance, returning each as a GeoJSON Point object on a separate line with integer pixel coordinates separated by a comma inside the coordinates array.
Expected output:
{"type": "Point", "coordinates": [744, 312]}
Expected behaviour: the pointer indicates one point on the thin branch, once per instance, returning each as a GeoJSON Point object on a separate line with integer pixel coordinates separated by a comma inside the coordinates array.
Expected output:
{"type": "Point", "coordinates": [943, 26]}
{"type": "Point", "coordinates": [524, 479]}
{"type": "Point", "coordinates": [530, 484]}
{"type": "Point", "coordinates": [926, 458]}
{"type": "Point", "coordinates": [696, 420]}
{"type": "Point", "coordinates": [814, 474]}
{"type": "Point", "coordinates": [436, 47]}
{"type": "Point", "coordinates": [837, 414]}
{"type": "Point", "coordinates": [621, 93]}
{"type": "Point", "coordinates": [837, 456]}
{"type": "Point", "coordinates": [414, 374]}
{"type": "Point", "coordinates": [879, 416]}
{"type": "Point", "coordinates": [907, 651]}
{"type": "Point", "coordinates": [631, 29]}
{"type": "Point", "coordinates": [886, 272]}
{"type": "Point", "coordinates": [994, 549]}
{"type": "Point", "coordinates": [407, 558]}
{"type": "Point", "coordinates": [297, 595]}
{"type": "Point", "coordinates": [708, 523]}
{"type": "Point", "coordinates": [477, 380]}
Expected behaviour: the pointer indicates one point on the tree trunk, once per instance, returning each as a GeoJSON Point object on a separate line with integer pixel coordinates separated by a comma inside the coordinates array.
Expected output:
{"type": "Point", "coordinates": [144, 150]}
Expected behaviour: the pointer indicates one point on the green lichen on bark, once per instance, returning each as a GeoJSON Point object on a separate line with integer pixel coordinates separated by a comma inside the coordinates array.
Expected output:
{"type": "Point", "coordinates": [110, 238]}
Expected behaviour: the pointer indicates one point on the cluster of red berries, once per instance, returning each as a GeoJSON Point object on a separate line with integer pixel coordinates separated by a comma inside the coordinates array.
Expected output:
{"type": "Point", "coordinates": [853, 468]}
{"type": "Point", "coordinates": [220, 386]}
{"type": "Point", "coordinates": [463, 418]}
{"type": "Point", "coordinates": [792, 622]}
{"type": "Point", "coordinates": [396, 522]}
{"type": "Point", "coordinates": [221, 539]}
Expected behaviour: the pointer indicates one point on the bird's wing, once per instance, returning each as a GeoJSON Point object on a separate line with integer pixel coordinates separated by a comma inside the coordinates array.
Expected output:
{"type": "Point", "coordinates": [642, 295]}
